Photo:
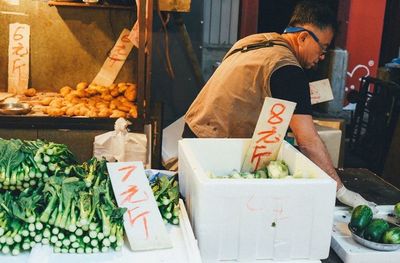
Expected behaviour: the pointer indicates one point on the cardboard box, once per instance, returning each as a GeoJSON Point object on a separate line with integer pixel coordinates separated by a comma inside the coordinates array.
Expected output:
{"type": "Point", "coordinates": [332, 139]}
{"type": "Point", "coordinates": [247, 220]}
{"type": "Point", "coordinates": [336, 124]}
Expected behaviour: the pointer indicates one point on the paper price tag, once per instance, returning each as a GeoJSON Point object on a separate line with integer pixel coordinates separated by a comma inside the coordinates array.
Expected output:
{"type": "Point", "coordinates": [270, 130]}
{"type": "Point", "coordinates": [320, 91]}
{"type": "Point", "coordinates": [115, 60]}
{"type": "Point", "coordinates": [18, 58]}
{"type": "Point", "coordinates": [143, 223]}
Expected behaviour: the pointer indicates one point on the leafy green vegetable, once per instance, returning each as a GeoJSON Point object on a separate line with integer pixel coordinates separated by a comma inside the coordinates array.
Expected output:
{"type": "Point", "coordinates": [277, 169]}
{"type": "Point", "coordinates": [166, 193]}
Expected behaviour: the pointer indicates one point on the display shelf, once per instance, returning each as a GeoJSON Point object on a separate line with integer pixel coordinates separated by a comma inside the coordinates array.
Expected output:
{"type": "Point", "coordinates": [87, 5]}
{"type": "Point", "coordinates": [46, 122]}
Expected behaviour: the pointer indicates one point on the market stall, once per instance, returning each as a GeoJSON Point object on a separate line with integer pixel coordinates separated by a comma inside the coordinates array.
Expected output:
{"type": "Point", "coordinates": [56, 198]}
{"type": "Point", "coordinates": [75, 86]}
{"type": "Point", "coordinates": [59, 203]}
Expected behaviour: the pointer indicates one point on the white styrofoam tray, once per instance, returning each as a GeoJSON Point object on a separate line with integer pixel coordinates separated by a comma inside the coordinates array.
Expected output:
{"type": "Point", "coordinates": [184, 250]}
{"type": "Point", "coordinates": [350, 251]}
{"type": "Point", "coordinates": [261, 219]}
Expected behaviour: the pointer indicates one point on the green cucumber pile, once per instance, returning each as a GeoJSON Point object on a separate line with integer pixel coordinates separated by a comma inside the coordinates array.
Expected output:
{"type": "Point", "coordinates": [375, 230]}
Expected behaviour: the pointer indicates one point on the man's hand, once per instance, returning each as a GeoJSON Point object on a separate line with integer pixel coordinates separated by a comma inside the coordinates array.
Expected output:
{"type": "Point", "coordinates": [354, 199]}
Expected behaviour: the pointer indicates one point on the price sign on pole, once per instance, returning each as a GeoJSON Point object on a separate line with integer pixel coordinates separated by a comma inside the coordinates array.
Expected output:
{"type": "Point", "coordinates": [115, 60]}
{"type": "Point", "coordinates": [143, 223]}
{"type": "Point", "coordinates": [270, 130]}
{"type": "Point", "coordinates": [18, 58]}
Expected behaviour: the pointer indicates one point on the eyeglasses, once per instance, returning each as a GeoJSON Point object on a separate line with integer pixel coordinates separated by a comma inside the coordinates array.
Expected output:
{"type": "Point", "coordinates": [312, 34]}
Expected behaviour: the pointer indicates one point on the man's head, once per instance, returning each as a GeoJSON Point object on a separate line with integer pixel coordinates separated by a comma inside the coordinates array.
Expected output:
{"type": "Point", "coordinates": [311, 28]}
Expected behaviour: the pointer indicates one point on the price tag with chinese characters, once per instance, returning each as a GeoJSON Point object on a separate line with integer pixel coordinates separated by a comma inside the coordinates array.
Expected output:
{"type": "Point", "coordinates": [115, 60]}
{"type": "Point", "coordinates": [143, 223]}
{"type": "Point", "coordinates": [270, 130]}
{"type": "Point", "coordinates": [320, 91]}
{"type": "Point", "coordinates": [18, 58]}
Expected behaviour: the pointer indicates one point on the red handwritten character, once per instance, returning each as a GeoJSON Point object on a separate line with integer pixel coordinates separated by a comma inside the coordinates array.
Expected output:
{"type": "Point", "coordinates": [17, 65]}
{"type": "Point", "coordinates": [16, 35]}
{"type": "Point", "coordinates": [276, 111]}
{"type": "Point", "coordinates": [130, 169]}
{"type": "Point", "coordinates": [279, 214]}
{"type": "Point", "coordinates": [125, 38]}
{"type": "Point", "coordinates": [20, 50]}
{"type": "Point", "coordinates": [265, 136]}
{"type": "Point", "coordinates": [130, 192]}
{"type": "Point", "coordinates": [113, 59]}
{"type": "Point", "coordinates": [134, 216]}
{"type": "Point", "coordinates": [121, 50]}
{"type": "Point", "coordinates": [258, 155]}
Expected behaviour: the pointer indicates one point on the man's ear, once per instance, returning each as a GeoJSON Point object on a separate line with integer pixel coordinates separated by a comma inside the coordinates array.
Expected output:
{"type": "Point", "coordinates": [301, 38]}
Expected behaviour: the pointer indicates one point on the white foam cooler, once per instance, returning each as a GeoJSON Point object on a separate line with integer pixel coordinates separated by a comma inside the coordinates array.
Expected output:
{"type": "Point", "coordinates": [254, 219]}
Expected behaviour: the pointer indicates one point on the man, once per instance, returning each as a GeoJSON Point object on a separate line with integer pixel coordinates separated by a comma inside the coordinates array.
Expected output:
{"type": "Point", "coordinates": [270, 65]}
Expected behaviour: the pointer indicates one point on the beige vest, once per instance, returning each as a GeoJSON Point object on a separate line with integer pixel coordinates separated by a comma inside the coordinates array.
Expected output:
{"type": "Point", "coordinates": [231, 101]}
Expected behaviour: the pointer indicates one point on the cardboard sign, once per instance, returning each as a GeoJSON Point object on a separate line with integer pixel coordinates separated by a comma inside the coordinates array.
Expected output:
{"type": "Point", "coordinates": [116, 59]}
{"type": "Point", "coordinates": [267, 137]}
{"type": "Point", "coordinates": [143, 224]}
{"type": "Point", "coordinates": [320, 91]}
{"type": "Point", "coordinates": [18, 58]}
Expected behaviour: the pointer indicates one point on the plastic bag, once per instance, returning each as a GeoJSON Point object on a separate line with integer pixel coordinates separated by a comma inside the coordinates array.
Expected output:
{"type": "Point", "coordinates": [121, 145]}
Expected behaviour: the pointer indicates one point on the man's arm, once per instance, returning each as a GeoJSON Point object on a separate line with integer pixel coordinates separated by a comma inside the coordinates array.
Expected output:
{"type": "Point", "coordinates": [312, 146]}
{"type": "Point", "coordinates": [289, 83]}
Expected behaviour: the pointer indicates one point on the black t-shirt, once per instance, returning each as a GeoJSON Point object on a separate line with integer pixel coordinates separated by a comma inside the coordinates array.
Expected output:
{"type": "Point", "coordinates": [290, 83]}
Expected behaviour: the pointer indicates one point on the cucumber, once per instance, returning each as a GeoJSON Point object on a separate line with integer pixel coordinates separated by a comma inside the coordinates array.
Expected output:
{"type": "Point", "coordinates": [374, 231]}
{"type": "Point", "coordinates": [360, 218]}
{"type": "Point", "coordinates": [392, 236]}
{"type": "Point", "coordinates": [397, 209]}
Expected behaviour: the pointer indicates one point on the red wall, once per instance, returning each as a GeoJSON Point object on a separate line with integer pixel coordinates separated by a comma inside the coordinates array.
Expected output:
{"type": "Point", "coordinates": [363, 39]}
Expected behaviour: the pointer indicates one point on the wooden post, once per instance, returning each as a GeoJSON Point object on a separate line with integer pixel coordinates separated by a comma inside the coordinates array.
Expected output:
{"type": "Point", "coordinates": [248, 18]}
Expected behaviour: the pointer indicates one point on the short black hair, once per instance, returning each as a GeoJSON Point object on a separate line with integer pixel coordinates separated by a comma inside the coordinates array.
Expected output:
{"type": "Point", "coordinates": [316, 13]}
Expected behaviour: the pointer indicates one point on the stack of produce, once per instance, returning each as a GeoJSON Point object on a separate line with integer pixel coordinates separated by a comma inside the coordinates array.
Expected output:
{"type": "Point", "coordinates": [74, 211]}
{"type": "Point", "coordinates": [373, 229]}
{"type": "Point", "coordinates": [277, 169]}
{"type": "Point", "coordinates": [166, 192]}
{"type": "Point", "coordinates": [91, 100]}
{"type": "Point", "coordinates": [46, 198]}
{"type": "Point", "coordinates": [25, 163]}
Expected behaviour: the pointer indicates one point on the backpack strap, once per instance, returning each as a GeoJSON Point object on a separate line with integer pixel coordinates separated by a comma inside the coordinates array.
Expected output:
{"type": "Point", "coordinates": [250, 47]}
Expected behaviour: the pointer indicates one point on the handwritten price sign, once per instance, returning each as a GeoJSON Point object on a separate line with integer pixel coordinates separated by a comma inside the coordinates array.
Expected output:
{"type": "Point", "coordinates": [115, 60]}
{"type": "Point", "coordinates": [143, 224]}
{"type": "Point", "coordinates": [320, 91]}
{"type": "Point", "coordinates": [270, 130]}
{"type": "Point", "coordinates": [18, 58]}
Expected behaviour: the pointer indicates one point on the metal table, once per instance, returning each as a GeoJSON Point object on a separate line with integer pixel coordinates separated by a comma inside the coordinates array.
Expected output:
{"type": "Point", "coordinates": [371, 187]}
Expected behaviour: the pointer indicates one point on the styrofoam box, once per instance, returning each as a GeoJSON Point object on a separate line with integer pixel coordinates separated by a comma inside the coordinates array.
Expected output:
{"type": "Point", "coordinates": [254, 219]}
